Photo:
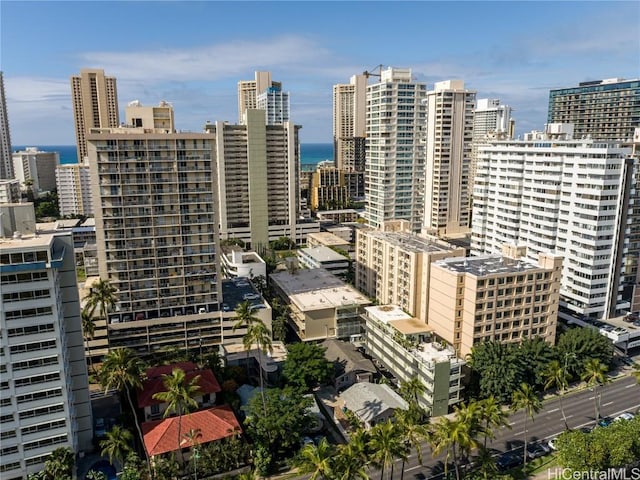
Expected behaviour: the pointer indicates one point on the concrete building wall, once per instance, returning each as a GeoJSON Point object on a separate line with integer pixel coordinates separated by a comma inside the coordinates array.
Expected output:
{"type": "Point", "coordinates": [6, 162]}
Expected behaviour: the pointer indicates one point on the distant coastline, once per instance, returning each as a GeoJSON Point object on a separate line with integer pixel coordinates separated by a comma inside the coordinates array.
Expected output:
{"type": "Point", "coordinates": [310, 153]}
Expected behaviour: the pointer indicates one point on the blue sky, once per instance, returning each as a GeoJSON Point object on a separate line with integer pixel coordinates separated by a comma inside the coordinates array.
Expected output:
{"type": "Point", "coordinates": [192, 54]}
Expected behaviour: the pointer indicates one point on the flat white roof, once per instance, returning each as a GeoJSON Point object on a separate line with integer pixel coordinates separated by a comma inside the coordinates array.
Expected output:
{"type": "Point", "coordinates": [323, 254]}
{"type": "Point", "coordinates": [317, 289]}
{"type": "Point", "coordinates": [327, 238]}
{"type": "Point", "coordinates": [27, 241]}
{"type": "Point", "coordinates": [387, 313]}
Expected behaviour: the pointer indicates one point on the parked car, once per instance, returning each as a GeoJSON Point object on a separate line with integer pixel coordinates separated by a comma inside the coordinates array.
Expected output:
{"type": "Point", "coordinates": [508, 460]}
{"type": "Point", "coordinates": [605, 421]}
{"type": "Point", "coordinates": [552, 443]}
{"type": "Point", "coordinates": [535, 450]}
{"type": "Point", "coordinates": [624, 416]}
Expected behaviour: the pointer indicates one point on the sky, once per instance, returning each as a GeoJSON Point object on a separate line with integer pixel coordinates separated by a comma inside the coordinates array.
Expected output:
{"type": "Point", "coordinates": [192, 54]}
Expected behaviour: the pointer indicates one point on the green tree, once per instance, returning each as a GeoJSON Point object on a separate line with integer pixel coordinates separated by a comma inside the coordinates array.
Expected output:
{"type": "Point", "coordinates": [117, 444]}
{"type": "Point", "coordinates": [452, 437]}
{"type": "Point", "coordinates": [353, 458]}
{"type": "Point", "coordinates": [306, 365]}
{"type": "Point", "coordinates": [486, 463]}
{"type": "Point", "coordinates": [595, 374]}
{"type": "Point", "coordinates": [535, 354]}
{"type": "Point", "coordinates": [122, 371]}
{"type": "Point", "coordinates": [412, 390]}
{"type": "Point", "coordinates": [386, 445]}
{"type": "Point", "coordinates": [577, 345]}
{"type": "Point", "coordinates": [317, 460]}
{"type": "Point", "coordinates": [500, 369]}
{"type": "Point", "coordinates": [102, 297]}
{"type": "Point", "coordinates": [180, 398]}
{"type": "Point", "coordinates": [59, 465]}
{"type": "Point", "coordinates": [557, 377]}
{"type": "Point", "coordinates": [412, 432]}
{"type": "Point", "coordinates": [280, 429]}
{"type": "Point", "coordinates": [88, 331]}
{"type": "Point", "coordinates": [493, 416]}
{"type": "Point", "coordinates": [525, 398]}
{"type": "Point", "coordinates": [280, 327]}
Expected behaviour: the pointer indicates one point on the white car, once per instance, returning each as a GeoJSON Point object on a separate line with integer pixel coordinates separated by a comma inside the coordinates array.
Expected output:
{"type": "Point", "coordinates": [624, 416]}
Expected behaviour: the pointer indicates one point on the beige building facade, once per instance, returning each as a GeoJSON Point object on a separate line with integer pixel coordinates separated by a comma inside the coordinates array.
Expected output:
{"type": "Point", "coordinates": [322, 306]}
{"type": "Point", "coordinates": [73, 182]}
{"type": "Point", "coordinates": [248, 91]}
{"type": "Point", "coordinates": [159, 117]}
{"type": "Point", "coordinates": [95, 105]}
{"type": "Point", "coordinates": [449, 136]}
{"type": "Point", "coordinates": [406, 347]}
{"type": "Point", "coordinates": [349, 123]}
{"type": "Point", "coordinates": [497, 297]}
{"type": "Point", "coordinates": [392, 265]}
{"type": "Point", "coordinates": [157, 236]}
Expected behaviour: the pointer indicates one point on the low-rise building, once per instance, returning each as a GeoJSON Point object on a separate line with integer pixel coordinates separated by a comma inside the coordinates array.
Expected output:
{"type": "Point", "coordinates": [155, 409]}
{"type": "Point", "coordinates": [371, 403]}
{"type": "Point", "coordinates": [253, 359]}
{"type": "Point", "coordinates": [324, 257]}
{"type": "Point", "coordinates": [405, 346]}
{"type": "Point", "coordinates": [10, 190]}
{"type": "Point", "coordinates": [36, 169]}
{"type": "Point", "coordinates": [322, 306]}
{"type": "Point", "coordinates": [328, 239]}
{"type": "Point", "coordinates": [350, 366]}
{"type": "Point", "coordinates": [494, 297]}
{"type": "Point", "coordinates": [238, 263]}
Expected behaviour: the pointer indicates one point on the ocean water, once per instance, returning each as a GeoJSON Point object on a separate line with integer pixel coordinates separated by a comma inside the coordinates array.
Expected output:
{"type": "Point", "coordinates": [311, 153]}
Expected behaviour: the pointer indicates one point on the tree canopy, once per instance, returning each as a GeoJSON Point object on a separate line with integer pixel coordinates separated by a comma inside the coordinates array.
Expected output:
{"type": "Point", "coordinates": [306, 365]}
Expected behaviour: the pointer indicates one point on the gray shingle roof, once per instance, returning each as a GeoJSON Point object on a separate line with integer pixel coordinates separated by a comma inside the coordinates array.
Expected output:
{"type": "Point", "coordinates": [368, 400]}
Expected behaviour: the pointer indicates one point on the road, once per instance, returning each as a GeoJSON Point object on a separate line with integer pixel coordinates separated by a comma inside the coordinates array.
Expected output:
{"type": "Point", "coordinates": [616, 397]}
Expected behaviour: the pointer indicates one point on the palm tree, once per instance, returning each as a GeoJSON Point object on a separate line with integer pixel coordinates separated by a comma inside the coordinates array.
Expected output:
{"type": "Point", "coordinates": [595, 374]}
{"type": "Point", "coordinates": [245, 317]}
{"type": "Point", "coordinates": [352, 457]}
{"type": "Point", "coordinates": [556, 376]}
{"type": "Point", "coordinates": [179, 396]}
{"type": "Point", "coordinates": [88, 330]}
{"type": "Point", "coordinates": [469, 416]}
{"type": "Point", "coordinates": [122, 370]}
{"type": "Point", "coordinates": [486, 463]}
{"type": "Point", "coordinates": [117, 444]}
{"type": "Point", "coordinates": [192, 437]}
{"type": "Point", "coordinates": [493, 415]}
{"type": "Point", "coordinates": [411, 390]}
{"type": "Point", "coordinates": [102, 297]}
{"type": "Point", "coordinates": [441, 441]}
{"type": "Point", "coordinates": [386, 445]}
{"type": "Point", "coordinates": [317, 460]}
{"type": "Point", "coordinates": [412, 432]}
{"type": "Point", "coordinates": [60, 464]}
{"type": "Point", "coordinates": [526, 398]}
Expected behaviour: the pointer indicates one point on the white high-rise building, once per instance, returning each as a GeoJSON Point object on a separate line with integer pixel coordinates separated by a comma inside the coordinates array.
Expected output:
{"type": "Point", "coordinates": [44, 391]}
{"type": "Point", "coordinates": [275, 104]}
{"type": "Point", "coordinates": [349, 123]}
{"type": "Point", "coordinates": [36, 168]}
{"type": "Point", "coordinates": [490, 120]}
{"type": "Point", "coordinates": [6, 163]}
{"type": "Point", "coordinates": [73, 182]}
{"type": "Point", "coordinates": [552, 193]}
{"type": "Point", "coordinates": [248, 91]}
{"type": "Point", "coordinates": [394, 170]}
{"type": "Point", "coordinates": [447, 191]}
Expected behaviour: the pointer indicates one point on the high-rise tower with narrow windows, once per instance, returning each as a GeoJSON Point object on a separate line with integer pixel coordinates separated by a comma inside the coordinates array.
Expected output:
{"type": "Point", "coordinates": [447, 209]}
{"type": "Point", "coordinates": [349, 123]}
{"type": "Point", "coordinates": [394, 169]}
{"type": "Point", "coordinates": [95, 105]}
{"type": "Point", "coordinates": [6, 163]}
{"type": "Point", "coordinates": [602, 109]}
{"type": "Point", "coordinates": [249, 90]}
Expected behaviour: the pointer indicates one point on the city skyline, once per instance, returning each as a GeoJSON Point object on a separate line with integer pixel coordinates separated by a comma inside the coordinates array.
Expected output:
{"type": "Point", "coordinates": [192, 54]}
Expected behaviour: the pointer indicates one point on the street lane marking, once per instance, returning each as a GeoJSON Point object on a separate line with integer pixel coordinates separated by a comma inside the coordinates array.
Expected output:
{"type": "Point", "coordinates": [554, 410]}
{"type": "Point", "coordinates": [605, 404]}
{"type": "Point", "coordinates": [630, 385]}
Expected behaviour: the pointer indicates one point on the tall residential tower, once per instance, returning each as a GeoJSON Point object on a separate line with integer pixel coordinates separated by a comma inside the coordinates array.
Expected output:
{"type": "Point", "coordinates": [394, 170]}
{"type": "Point", "coordinates": [6, 164]}
{"type": "Point", "coordinates": [95, 105]}
{"type": "Point", "coordinates": [447, 192]}
{"type": "Point", "coordinates": [248, 91]}
{"type": "Point", "coordinates": [349, 123]}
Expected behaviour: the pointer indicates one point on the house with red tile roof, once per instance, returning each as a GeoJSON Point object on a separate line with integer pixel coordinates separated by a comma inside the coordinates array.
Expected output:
{"type": "Point", "coordinates": [213, 424]}
{"type": "Point", "coordinates": [154, 409]}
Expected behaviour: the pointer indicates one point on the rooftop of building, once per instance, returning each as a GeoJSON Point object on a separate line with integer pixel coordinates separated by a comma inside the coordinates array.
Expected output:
{"type": "Point", "coordinates": [434, 352]}
{"type": "Point", "coordinates": [41, 239]}
{"type": "Point", "coordinates": [316, 289]}
{"type": "Point", "coordinates": [278, 354]}
{"type": "Point", "coordinates": [238, 290]}
{"type": "Point", "coordinates": [387, 313]}
{"type": "Point", "coordinates": [161, 436]}
{"type": "Point", "coordinates": [486, 265]}
{"type": "Point", "coordinates": [409, 241]}
{"type": "Point", "coordinates": [345, 357]}
{"type": "Point", "coordinates": [323, 254]}
{"type": "Point", "coordinates": [327, 238]}
{"type": "Point", "coordinates": [368, 400]}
